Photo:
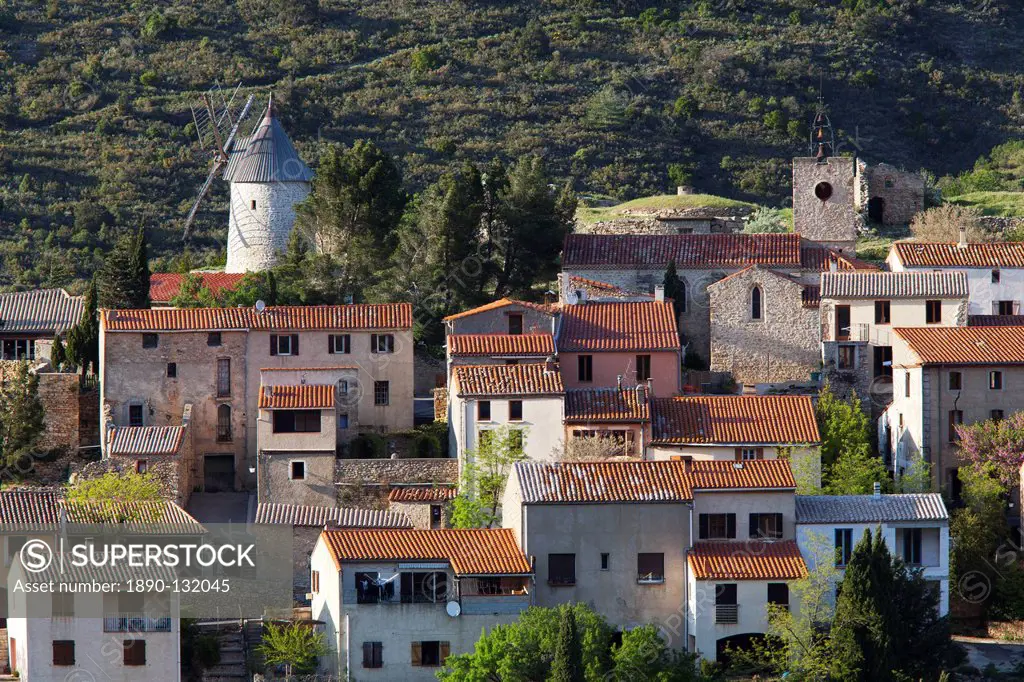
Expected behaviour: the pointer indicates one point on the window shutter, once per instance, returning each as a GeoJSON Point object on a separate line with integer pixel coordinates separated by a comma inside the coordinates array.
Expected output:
{"type": "Point", "coordinates": [295, 344]}
{"type": "Point", "coordinates": [273, 344]}
{"type": "Point", "coordinates": [373, 343]}
{"type": "Point", "coordinates": [445, 649]}
{"type": "Point", "coordinates": [417, 653]}
{"type": "Point", "coordinates": [753, 525]}
{"type": "Point", "coordinates": [730, 524]}
{"type": "Point", "coordinates": [703, 526]}
{"type": "Point", "coordinates": [330, 344]}
{"type": "Point", "coordinates": [367, 654]}
{"type": "Point", "coordinates": [739, 454]}
{"type": "Point", "coordinates": [759, 454]}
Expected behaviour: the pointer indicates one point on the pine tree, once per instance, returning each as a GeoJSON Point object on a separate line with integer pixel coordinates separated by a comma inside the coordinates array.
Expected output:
{"type": "Point", "coordinates": [568, 663]}
{"type": "Point", "coordinates": [124, 277]}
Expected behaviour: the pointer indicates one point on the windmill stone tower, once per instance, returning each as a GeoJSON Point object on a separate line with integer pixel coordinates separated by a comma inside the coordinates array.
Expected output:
{"type": "Point", "coordinates": [267, 180]}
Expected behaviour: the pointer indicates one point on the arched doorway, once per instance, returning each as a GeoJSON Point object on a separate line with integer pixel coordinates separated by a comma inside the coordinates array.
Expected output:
{"type": "Point", "coordinates": [876, 209]}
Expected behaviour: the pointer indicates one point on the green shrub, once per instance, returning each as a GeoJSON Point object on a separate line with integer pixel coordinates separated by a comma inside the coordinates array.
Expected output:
{"type": "Point", "coordinates": [1008, 593]}
{"type": "Point", "coordinates": [368, 446]}
{"type": "Point", "coordinates": [425, 59]}
{"type": "Point", "coordinates": [685, 107]}
{"type": "Point", "coordinates": [148, 78]}
{"type": "Point", "coordinates": [426, 446]}
{"type": "Point", "coordinates": [207, 650]}
{"type": "Point", "coordinates": [156, 24]}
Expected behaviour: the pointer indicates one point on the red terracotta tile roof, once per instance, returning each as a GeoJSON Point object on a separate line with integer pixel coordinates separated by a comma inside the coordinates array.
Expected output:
{"type": "Point", "coordinates": [587, 405]}
{"type": "Point", "coordinates": [949, 254]}
{"type": "Point", "coordinates": [422, 493]}
{"type": "Point", "coordinates": [815, 257]}
{"type": "Point", "coordinates": [995, 320]}
{"type": "Point", "coordinates": [965, 345]}
{"type": "Point", "coordinates": [811, 297]}
{"type": "Point", "coordinates": [617, 252]}
{"type": "Point", "coordinates": [603, 290]}
{"type": "Point", "coordinates": [163, 286]}
{"type": "Point", "coordinates": [522, 379]}
{"type": "Point", "coordinates": [501, 303]}
{"type": "Point", "coordinates": [302, 397]}
{"type": "Point", "coordinates": [749, 560]}
{"type": "Point", "coordinates": [322, 317]}
{"type": "Point", "coordinates": [501, 344]}
{"type": "Point", "coordinates": [145, 440]}
{"type": "Point", "coordinates": [631, 327]}
{"type": "Point", "coordinates": [474, 551]}
{"type": "Point", "coordinates": [28, 509]}
{"type": "Point", "coordinates": [644, 481]}
{"type": "Point", "coordinates": [734, 419]}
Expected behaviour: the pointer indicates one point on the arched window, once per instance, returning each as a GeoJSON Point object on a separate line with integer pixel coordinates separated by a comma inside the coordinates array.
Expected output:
{"type": "Point", "coordinates": [755, 303]}
{"type": "Point", "coordinates": [224, 423]}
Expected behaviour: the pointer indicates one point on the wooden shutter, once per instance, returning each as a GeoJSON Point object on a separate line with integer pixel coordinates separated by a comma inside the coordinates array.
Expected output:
{"type": "Point", "coordinates": [754, 523]}
{"type": "Point", "coordinates": [373, 343]}
{"type": "Point", "coordinates": [759, 453]}
{"type": "Point", "coordinates": [273, 344]}
{"type": "Point", "coordinates": [730, 525]}
{"type": "Point", "coordinates": [367, 654]}
{"type": "Point", "coordinates": [739, 454]}
{"type": "Point", "coordinates": [330, 351]}
{"type": "Point", "coordinates": [295, 344]}
{"type": "Point", "coordinates": [445, 649]}
{"type": "Point", "coordinates": [703, 524]}
{"type": "Point", "coordinates": [315, 582]}
{"type": "Point", "coordinates": [135, 652]}
{"type": "Point", "coordinates": [417, 653]}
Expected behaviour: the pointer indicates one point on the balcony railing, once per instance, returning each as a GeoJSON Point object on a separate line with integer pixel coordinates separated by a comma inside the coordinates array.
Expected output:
{"type": "Point", "coordinates": [727, 614]}
{"type": "Point", "coordinates": [136, 624]}
{"type": "Point", "coordinates": [223, 434]}
{"type": "Point", "coordinates": [650, 578]}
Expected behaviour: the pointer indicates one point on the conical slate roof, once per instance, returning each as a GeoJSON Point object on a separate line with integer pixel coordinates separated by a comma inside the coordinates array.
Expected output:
{"type": "Point", "coordinates": [267, 156]}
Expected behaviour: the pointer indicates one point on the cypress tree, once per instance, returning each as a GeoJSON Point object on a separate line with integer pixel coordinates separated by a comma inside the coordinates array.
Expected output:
{"type": "Point", "coordinates": [675, 290]}
{"type": "Point", "coordinates": [568, 663]}
{"type": "Point", "coordinates": [58, 355]}
{"type": "Point", "coordinates": [124, 277]}
{"type": "Point", "coordinates": [83, 347]}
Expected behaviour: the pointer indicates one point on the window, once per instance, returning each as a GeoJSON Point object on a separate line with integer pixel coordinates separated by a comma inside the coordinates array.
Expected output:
{"type": "Point", "coordinates": [585, 365]}
{"type": "Point", "coordinates": [314, 581]}
{"type": "Point", "coordinates": [726, 608]}
{"type": "Point", "coordinates": [749, 454]}
{"type": "Point", "coordinates": [997, 415]}
{"type": "Point", "coordinates": [933, 312]}
{"type": "Point", "coordinates": [172, 370]}
{"type": "Point", "coordinates": [755, 303]}
{"type": "Point", "coordinates": [605, 560]}
{"type": "Point", "coordinates": [844, 546]}
{"type": "Point", "coordinates": [135, 415]}
{"type": "Point", "coordinates": [284, 344]}
{"type": "Point", "coordinates": [883, 361]}
{"type": "Point", "coordinates": [150, 340]}
{"type": "Point", "coordinates": [141, 466]}
{"type": "Point", "coordinates": [373, 655]}
{"type": "Point", "coordinates": [63, 604]}
{"type": "Point", "coordinates": [223, 423]}
{"type": "Point", "coordinates": [252, 204]}
{"type": "Point", "coordinates": [483, 410]}
{"type": "Point", "coordinates": [995, 380]}
{"type": "Point", "coordinates": [717, 526]}
{"type": "Point", "coordinates": [296, 421]}
{"type": "Point", "coordinates": [430, 653]}
{"type": "Point", "coordinates": [134, 652]}
{"type": "Point", "coordinates": [956, 417]}
{"type": "Point", "coordinates": [650, 567]}
{"type": "Point", "coordinates": [778, 594]}
{"type": "Point", "coordinates": [561, 569]}
{"type": "Point", "coordinates": [906, 383]}
{"type": "Point", "coordinates": [223, 377]}
{"type": "Point", "coordinates": [995, 277]}
{"type": "Point", "coordinates": [823, 191]}
{"type": "Point", "coordinates": [435, 514]}
{"type": "Point", "coordinates": [1006, 308]}
{"type": "Point", "coordinates": [515, 323]}
{"type": "Point", "coordinates": [766, 526]}
{"type": "Point", "coordinates": [381, 393]}
{"type": "Point", "coordinates": [343, 420]}
{"type": "Point", "coordinates": [424, 587]}
{"type": "Point", "coordinates": [643, 367]}
{"type": "Point", "coordinates": [382, 343]}
{"type": "Point", "coordinates": [955, 381]}
{"type": "Point", "coordinates": [515, 410]}
{"type": "Point", "coordinates": [63, 651]}
{"type": "Point", "coordinates": [368, 590]}
{"type": "Point", "coordinates": [847, 356]}
{"type": "Point", "coordinates": [912, 546]}
{"type": "Point", "coordinates": [339, 344]}
{"type": "Point", "coordinates": [882, 312]}
{"type": "Point", "coordinates": [901, 422]}
{"type": "Point", "coordinates": [213, 339]}
{"type": "Point", "coordinates": [298, 472]}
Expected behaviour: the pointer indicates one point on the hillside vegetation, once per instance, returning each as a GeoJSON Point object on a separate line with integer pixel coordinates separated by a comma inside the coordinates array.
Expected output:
{"type": "Point", "coordinates": [95, 98]}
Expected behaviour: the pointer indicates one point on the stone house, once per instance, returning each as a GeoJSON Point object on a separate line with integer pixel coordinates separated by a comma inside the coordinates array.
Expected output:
{"type": "Point", "coordinates": [617, 535]}
{"type": "Point", "coordinates": [526, 397]}
{"type": "Point", "coordinates": [504, 316]}
{"type": "Point", "coordinates": [620, 413]}
{"type": "Point", "coordinates": [606, 345]}
{"type": "Point", "coordinates": [638, 263]}
{"type": "Point", "coordinates": [994, 270]}
{"type": "Point", "coordinates": [308, 522]}
{"type": "Point", "coordinates": [764, 327]}
{"type": "Point", "coordinates": [888, 195]}
{"type": "Point", "coordinates": [153, 362]}
{"type": "Point", "coordinates": [915, 528]}
{"type": "Point", "coordinates": [396, 603]}
{"type": "Point", "coordinates": [943, 377]}
{"type": "Point", "coordinates": [858, 312]}
{"type": "Point", "coordinates": [426, 506]}
{"type": "Point", "coordinates": [38, 315]}
{"type": "Point", "coordinates": [489, 349]}
{"type": "Point", "coordinates": [166, 452]}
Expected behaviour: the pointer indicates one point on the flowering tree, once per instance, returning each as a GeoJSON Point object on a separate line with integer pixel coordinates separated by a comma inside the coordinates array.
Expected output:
{"type": "Point", "coordinates": [999, 443]}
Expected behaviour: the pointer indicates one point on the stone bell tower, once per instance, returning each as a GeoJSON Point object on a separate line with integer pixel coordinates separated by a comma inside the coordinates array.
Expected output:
{"type": "Point", "coordinates": [824, 191]}
{"type": "Point", "coordinates": [267, 180]}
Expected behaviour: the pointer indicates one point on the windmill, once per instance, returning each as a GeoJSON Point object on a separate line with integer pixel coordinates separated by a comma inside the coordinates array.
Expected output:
{"type": "Point", "coordinates": [217, 117]}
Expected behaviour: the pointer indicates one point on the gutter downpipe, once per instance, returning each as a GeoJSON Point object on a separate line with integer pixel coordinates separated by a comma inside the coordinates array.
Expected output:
{"type": "Point", "coordinates": [686, 582]}
{"type": "Point", "coordinates": [348, 650]}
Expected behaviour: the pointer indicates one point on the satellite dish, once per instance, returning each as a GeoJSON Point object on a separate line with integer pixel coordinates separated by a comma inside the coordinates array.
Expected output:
{"type": "Point", "coordinates": [453, 608]}
{"type": "Point", "coordinates": [261, 306]}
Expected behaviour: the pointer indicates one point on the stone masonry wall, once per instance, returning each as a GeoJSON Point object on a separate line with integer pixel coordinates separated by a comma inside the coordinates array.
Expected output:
{"type": "Point", "coordinates": [385, 471]}
{"type": "Point", "coordinates": [831, 221]}
{"type": "Point", "coordinates": [58, 393]}
{"type": "Point", "coordinates": [782, 346]}
{"type": "Point", "coordinates": [419, 513]}
{"type": "Point", "coordinates": [257, 236]}
{"type": "Point", "coordinates": [902, 192]}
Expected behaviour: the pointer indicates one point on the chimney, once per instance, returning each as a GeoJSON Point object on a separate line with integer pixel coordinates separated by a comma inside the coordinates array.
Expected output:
{"type": "Point", "coordinates": [659, 294]}
{"type": "Point", "coordinates": [962, 244]}
{"type": "Point", "coordinates": [683, 190]}
{"type": "Point", "coordinates": [877, 494]}
{"type": "Point", "coordinates": [618, 381]}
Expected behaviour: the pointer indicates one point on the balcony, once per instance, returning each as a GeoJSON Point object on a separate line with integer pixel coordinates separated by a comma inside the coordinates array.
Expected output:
{"type": "Point", "coordinates": [727, 614]}
{"type": "Point", "coordinates": [650, 578]}
{"type": "Point", "coordinates": [135, 624]}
